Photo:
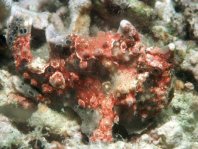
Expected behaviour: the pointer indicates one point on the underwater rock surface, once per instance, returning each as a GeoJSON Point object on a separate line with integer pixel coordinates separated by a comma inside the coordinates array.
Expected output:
{"type": "Point", "coordinates": [98, 74]}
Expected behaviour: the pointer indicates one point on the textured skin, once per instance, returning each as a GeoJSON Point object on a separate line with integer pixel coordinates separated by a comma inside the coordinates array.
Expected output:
{"type": "Point", "coordinates": [106, 71]}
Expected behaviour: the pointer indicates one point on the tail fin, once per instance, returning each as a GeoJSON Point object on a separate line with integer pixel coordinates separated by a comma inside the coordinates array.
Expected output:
{"type": "Point", "coordinates": [18, 39]}
{"type": "Point", "coordinates": [18, 25]}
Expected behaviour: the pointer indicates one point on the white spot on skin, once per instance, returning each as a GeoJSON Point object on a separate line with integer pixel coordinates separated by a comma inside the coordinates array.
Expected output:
{"type": "Point", "coordinates": [124, 24]}
{"type": "Point", "coordinates": [130, 100]}
{"type": "Point", "coordinates": [116, 51]}
{"type": "Point", "coordinates": [156, 50]}
{"type": "Point", "coordinates": [38, 65]}
{"type": "Point", "coordinates": [106, 86]}
{"type": "Point", "coordinates": [124, 81]}
{"type": "Point", "coordinates": [126, 28]}
{"type": "Point", "coordinates": [55, 63]}
{"type": "Point", "coordinates": [81, 103]}
{"type": "Point", "coordinates": [57, 80]}
{"type": "Point", "coordinates": [171, 46]}
{"type": "Point", "coordinates": [142, 77]}
{"type": "Point", "coordinates": [154, 63]}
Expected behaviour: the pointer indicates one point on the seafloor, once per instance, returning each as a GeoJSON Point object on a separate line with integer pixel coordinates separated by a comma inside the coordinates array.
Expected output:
{"type": "Point", "coordinates": [26, 122]}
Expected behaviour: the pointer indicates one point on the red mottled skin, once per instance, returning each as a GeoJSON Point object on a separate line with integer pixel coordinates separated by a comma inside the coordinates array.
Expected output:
{"type": "Point", "coordinates": [21, 50]}
{"type": "Point", "coordinates": [111, 69]}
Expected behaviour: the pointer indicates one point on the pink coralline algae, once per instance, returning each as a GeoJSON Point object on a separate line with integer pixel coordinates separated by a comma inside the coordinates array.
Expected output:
{"type": "Point", "coordinates": [108, 71]}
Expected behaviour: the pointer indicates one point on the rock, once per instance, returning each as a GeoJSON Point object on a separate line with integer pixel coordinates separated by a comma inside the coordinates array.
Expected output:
{"type": "Point", "coordinates": [164, 9]}
{"type": "Point", "coordinates": [112, 12]}
{"type": "Point", "coordinates": [9, 135]}
{"type": "Point", "coordinates": [90, 119]}
{"type": "Point", "coordinates": [4, 12]}
{"type": "Point", "coordinates": [40, 20]}
{"type": "Point", "coordinates": [189, 10]}
{"type": "Point", "coordinates": [40, 5]}
{"type": "Point", "coordinates": [170, 134]}
{"type": "Point", "coordinates": [54, 121]}
{"type": "Point", "coordinates": [190, 63]}
{"type": "Point", "coordinates": [80, 19]}
{"type": "Point", "coordinates": [189, 86]}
